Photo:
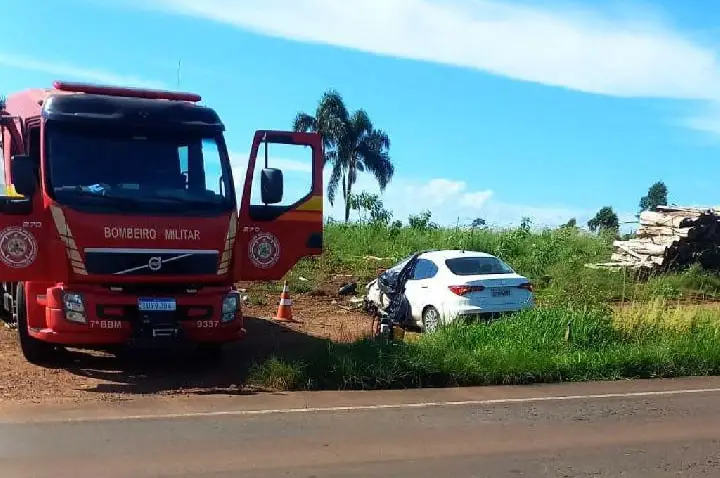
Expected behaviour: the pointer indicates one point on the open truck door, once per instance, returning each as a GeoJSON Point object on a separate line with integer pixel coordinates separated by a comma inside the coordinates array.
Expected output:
{"type": "Point", "coordinates": [281, 213]}
{"type": "Point", "coordinates": [23, 254]}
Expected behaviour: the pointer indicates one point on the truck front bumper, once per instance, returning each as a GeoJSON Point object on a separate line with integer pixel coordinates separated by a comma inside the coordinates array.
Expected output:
{"type": "Point", "coordinates": [117, 317]}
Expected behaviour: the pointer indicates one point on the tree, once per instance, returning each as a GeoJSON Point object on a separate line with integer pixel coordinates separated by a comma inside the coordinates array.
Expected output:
{"type": "Point", "coordinates": [3, 102]}
{"type": "Point", "coordinates": [478, 222]}
{"type": "Point", "coordinates": [422, 221]}
{"type": "Point", "coordinates": [570, 224]}
{"type": "Point", "coordinates": [604, 220]}
{"type": "Point", "coordinates": [656, 196]}
{"type": "Point", "coordinates": [371, 208]}
{"type": "Point", "coordinates": [352, 145]}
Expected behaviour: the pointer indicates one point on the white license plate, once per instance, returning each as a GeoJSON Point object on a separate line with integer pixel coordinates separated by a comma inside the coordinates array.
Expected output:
{"type": "Point", "coordinates": [157, 305]}
{"type": "Point", "coordinates": [501, 292]}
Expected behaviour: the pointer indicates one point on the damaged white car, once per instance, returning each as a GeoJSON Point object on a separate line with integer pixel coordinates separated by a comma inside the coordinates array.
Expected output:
{"type": "Point", "coordinates": [431, 288]}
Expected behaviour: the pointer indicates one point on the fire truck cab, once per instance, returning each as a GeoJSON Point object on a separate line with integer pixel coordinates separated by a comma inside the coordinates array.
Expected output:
{"type": "Point", "coordinates": [120, 222]}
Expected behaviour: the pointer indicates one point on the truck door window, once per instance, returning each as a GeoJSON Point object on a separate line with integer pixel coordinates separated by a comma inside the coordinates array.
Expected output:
{"type": "Point", "coordinates": [34, 149]}
{"type": "Point", "coordinates": [214, 179]}
{"type": "Point", "coordinates": [3, 188]}
{"type": "Point", "coordinates": [183, 156]}
{"type": "Point", "coordinates": [295, 162]}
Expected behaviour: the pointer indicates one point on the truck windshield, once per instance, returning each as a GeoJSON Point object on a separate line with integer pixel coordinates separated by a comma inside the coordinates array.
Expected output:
{"type": "Point", "coordinates": [147, 170]}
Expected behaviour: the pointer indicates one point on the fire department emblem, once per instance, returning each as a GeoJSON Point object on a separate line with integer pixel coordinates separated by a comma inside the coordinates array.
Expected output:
{"type": "Point", "coordinates": [264, 250]}
{"type": "Point", "coordinates": [18, 247]}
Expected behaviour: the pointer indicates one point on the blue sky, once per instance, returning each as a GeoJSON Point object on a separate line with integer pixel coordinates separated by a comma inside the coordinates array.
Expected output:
{"type": "Point", "coordinates": [549, 109]}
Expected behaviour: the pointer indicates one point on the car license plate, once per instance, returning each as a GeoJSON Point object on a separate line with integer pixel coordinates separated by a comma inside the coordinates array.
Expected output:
{"type": "Point", "coordinates": [157, 305]}
{"type": "Point", "coordinates": [500, 292]}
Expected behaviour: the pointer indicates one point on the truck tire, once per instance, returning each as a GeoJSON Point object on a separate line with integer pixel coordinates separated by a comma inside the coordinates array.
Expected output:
{"type": "Point", "coordinates": [7, 293]}
{"type": "Point", "coordinates": [34, 350]}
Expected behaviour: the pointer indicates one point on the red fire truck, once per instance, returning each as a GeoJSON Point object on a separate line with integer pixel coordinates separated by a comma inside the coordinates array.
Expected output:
{"type": "Point", "coordinates": [119, 222]}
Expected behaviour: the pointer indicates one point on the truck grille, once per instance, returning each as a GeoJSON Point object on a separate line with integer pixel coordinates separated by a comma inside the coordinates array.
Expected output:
{"type": "Point", "coordinates": [150, 262]}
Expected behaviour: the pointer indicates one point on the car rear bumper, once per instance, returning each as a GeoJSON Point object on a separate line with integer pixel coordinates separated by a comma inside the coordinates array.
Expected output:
{"type": "Point", "coordinates": [453, 311]}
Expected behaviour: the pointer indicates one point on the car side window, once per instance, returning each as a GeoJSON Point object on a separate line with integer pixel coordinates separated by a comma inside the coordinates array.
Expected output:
{"type": "Point", "coordinates": [424, 269]}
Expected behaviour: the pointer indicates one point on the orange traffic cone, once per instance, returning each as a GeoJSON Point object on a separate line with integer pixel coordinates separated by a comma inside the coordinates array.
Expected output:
{"type": "Point", "coordinates": [284, 312]}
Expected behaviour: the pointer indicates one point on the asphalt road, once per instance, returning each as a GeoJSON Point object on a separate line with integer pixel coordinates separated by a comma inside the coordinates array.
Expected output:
{"type": "Point", "coordinates": [630, 429]}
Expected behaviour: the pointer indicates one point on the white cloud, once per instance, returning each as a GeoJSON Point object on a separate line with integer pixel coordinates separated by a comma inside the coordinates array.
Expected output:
{"type": "Point", "coordinates": [73, 72]}
{"type": "Point", "coordinates": [239, 163]}
{"type": "Point", "coordinates": [505, 214]}
{"type": "Point", "coordinates": [450, 201]}
{"type": "Point", "coordinates": [476, 199]}
{"type": "Point", "coordinates": [584, 50]}
{"type": "Point", "coordinates": [705, 123]}
{"type": "Point", "coordinates": [297, 175]}
{"type": "Point", "coordinates": [445, 192]}
{"type": "Point", "coordinates": [453, 201]}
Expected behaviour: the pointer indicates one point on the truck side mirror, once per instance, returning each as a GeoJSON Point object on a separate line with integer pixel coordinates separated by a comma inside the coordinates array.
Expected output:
{"type": "Point", "coordinates": [22, 170]}
{"type": "Point", "coordinates": [271, 185]}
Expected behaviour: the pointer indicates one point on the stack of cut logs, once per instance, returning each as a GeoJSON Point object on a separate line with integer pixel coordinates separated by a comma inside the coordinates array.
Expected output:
{"type": "Point", "coordinates": [671, 237]}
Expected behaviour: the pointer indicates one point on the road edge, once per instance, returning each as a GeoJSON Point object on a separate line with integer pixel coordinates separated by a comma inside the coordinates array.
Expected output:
{"type": "Point", "coordinates": [262, 403]}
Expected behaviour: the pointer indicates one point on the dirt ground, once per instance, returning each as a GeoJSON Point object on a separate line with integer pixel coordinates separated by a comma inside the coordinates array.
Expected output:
{"type": "Point", "coordinates": [81, 375]}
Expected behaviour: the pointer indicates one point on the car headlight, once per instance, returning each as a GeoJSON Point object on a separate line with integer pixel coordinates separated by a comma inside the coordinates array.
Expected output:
{"type": "Point", "coordinates": [230, 306]}
{"type": "Point", "coordinates": [74, 307]}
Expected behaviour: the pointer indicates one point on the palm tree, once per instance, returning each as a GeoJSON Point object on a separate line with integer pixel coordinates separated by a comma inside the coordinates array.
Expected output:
{"type": "Point", "coordinates": [352, 145]}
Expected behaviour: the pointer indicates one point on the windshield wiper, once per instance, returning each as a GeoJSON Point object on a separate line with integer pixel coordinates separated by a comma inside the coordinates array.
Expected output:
{"type": "Point", "coordinates": [189, 201]}
{"type": "Point", "coordinates": [79, 192]}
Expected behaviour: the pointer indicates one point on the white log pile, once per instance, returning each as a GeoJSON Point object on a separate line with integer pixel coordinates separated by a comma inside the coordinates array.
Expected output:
{"type": "Point", "coordinates": [671, 237]}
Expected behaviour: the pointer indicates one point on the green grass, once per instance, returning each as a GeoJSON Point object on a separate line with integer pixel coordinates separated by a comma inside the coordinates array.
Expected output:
{"type": "Point", "coordinates": [648, 338]}
{"type": "Point", "coordinates": [530, 347]}
{"type": "Point", "coordinates": [553, 259]}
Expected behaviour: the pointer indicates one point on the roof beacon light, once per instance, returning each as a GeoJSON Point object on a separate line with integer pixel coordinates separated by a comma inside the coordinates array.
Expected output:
{"type": "Point", "coordinates": [126, 92]}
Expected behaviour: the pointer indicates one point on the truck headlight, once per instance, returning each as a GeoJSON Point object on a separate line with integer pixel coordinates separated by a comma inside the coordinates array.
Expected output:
{"type": "Point", "coordinates": [230, 306]}
{"type": "Point", "coordinates": [74, 307]}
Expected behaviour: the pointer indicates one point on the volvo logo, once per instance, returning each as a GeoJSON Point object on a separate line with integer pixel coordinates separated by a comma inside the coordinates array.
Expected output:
{"type": "Point", "coordinates": [155, 263]}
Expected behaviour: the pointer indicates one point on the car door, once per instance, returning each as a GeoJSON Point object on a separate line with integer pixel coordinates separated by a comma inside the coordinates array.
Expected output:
{"type": "Point", "coordinates": [419, 288]}
{"type": "Point", "coordinates": [274, 233]}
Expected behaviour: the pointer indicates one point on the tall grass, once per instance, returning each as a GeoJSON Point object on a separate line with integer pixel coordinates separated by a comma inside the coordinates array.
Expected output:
{"type": "Point", "coordinates": [541, 345]}
{"type": "Point", "coordinates": [591, 324]}
{"type": "Point", "coordinates": [554, 260]}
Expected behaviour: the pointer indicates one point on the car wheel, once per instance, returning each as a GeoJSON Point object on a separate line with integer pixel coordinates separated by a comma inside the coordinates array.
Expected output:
{"type": "Point", "coordinates": [430, 319]}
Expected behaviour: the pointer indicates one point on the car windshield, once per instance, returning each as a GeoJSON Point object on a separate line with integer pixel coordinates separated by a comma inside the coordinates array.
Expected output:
{"type": "Point", "coordinates": [397, 268]}
{"type": "Point", "coordinates": [148, 170]}
{"type": "Point", "coordinates": [391, 275]}
{"type": "Point", "coordinates": [474, 266]}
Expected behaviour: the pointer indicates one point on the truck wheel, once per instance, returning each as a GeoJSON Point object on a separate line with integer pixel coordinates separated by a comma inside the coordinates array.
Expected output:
{"type": "Point", "coordinates": [34, 350]}
{"type": "Point", "coordinates": [6, 315]}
